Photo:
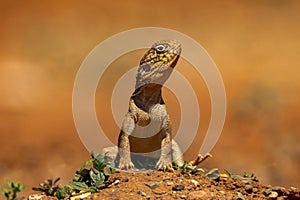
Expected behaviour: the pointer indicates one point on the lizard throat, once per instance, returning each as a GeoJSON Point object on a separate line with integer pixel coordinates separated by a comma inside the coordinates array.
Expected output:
{"type": "Point", "coordinates": [147, 96]}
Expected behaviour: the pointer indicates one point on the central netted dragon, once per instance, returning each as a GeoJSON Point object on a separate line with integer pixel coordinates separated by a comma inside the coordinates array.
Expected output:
{"type": "Point", "coordinates": [146, 129]}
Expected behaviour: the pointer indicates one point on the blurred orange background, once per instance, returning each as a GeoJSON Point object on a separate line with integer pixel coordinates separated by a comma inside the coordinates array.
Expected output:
{"type": "Point", "coordinates": [255, 44]}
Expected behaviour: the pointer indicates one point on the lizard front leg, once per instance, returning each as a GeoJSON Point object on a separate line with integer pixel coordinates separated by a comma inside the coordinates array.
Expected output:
{"type": "Point", "coordinates": [165, 160]}
{"type": "Point", "coordinates": [177, 155]}
{"type": "Point", "coordinates": [124, 144]}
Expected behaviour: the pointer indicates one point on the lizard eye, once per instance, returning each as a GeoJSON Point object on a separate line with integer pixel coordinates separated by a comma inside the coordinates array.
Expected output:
{"type": "Point", "coordinates": [161, 48]}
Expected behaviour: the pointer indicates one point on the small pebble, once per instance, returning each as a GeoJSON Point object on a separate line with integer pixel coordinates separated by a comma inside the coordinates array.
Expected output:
{"type": "Point", "coordinates": [249, 189]}
{"type": "Point", "coordinates": [183, 197]}
{"type": "Point", "coordinates": [178, 188]}
{"type": "Point", "coordinates": [125, 180]}
{"type": "Point", "coordinates": [240, 196]}
{"type": "Point", "coordinates": [196, 183]}
{"type": "Point", "coordinates": [267, 192]}
{"type": "Point", "coordinates": [116, 182]}
{"type": "Point", "coordinates": [222, 192]}
{"type": "Point", "coordinates": [36, 197]}
{"type": "Point", "coordinates": [246, 181]}
{"type": "Point", "coordinates": [152, 184]}
{"type": "Point", "coordinates": [170, 183]}
{"type": "Point", "coordinates": [142, 193]}
{"type": "Point", "coordinates": [201, 170]}
{"type": "Point", "coordinates": [273, 195]}
{"type": "Point", "coordinates": [293, 188]}
{"type": "Point", "coordinates": [166, 179]}
{"type": "Point", "coordinates": [213, 174]}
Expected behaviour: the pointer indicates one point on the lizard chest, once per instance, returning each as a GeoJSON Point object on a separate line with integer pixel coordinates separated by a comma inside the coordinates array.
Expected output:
{"type": "Point", "coordinates": [156, 116]}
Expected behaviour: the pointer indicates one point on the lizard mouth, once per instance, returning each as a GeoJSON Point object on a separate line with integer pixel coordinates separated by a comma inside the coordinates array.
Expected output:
{"type": "Point", "coordinates": [175, 60]}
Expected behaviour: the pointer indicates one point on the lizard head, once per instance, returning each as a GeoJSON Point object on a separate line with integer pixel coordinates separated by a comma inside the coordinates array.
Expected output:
{"type": "Point", "coordinates": [158, 62]}
{"type": "Point", "coordinates": [162, 53]}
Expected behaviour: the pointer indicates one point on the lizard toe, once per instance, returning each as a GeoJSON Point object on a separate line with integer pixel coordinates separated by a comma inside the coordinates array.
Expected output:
{"type": "Point", "coordinates": [127, 166]}
{"type": "Point", "coordinates": [164, 166]}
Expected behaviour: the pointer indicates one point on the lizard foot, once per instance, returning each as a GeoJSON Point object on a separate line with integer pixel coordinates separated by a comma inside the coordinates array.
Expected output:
{"type": "Point", "coordinates": [164, 165]}
{"type": "Point", "coordinates": [199, 159]}
{"type": "Point", "coordinates": [126, 164]}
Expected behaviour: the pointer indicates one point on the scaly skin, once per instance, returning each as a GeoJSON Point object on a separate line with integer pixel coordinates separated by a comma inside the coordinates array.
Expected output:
{"type": "Point", "coordinates": [147, 117]}
{"type": "Point", "coordinates": [146, 105]}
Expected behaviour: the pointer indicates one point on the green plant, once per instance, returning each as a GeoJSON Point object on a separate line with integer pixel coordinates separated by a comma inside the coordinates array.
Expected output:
{"type": "Point", "coordinates": [13, 189]}
{"type": "Point", "coordinates": [185, 168]}
{"type": "Point", "coordinates": [92, 176]}
{"type": "Point", "coordinates": [245, 176]}
{"type": "Point", "coordinates": [49, 187]}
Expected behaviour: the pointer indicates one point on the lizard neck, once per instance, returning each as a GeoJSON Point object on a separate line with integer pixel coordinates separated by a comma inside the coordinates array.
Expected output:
{"type": "Point", "coordinates": [147, 96]}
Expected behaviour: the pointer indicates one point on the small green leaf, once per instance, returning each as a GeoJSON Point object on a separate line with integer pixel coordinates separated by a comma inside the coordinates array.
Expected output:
{"type": "Point", "coordinates": [77, 177]}
{"type": "Point", "coordinates": [97, 164]}
{"type": "Point", "coordinates": [63, 192]}
{"type": "Point", "coordinates": [13, 189]}
{"type": "Point", "coordinates": [101, 180]}
{"type": "Point", "coordinates": [185, 164]}
{"type": "Point", "coordinates": [4, 190]}
{"type": "Point", "coordinates": [17, 187]}
{"type": "Point", "coordinates": [80, 175]}
{"type": "Point", "coordinates": [98, 178]}
{"type": "Point", "coordinates": [86, 164]}
{"type": "Point", "coordinates": [7, 195]}
{"type": "Point", "coordinates": [78, 186]}
{"type": "Point", "coordinates": [93, 189]}
{"type": "Point", "coordinates": [99, 157]}
{"type": "Point", "coordinates": [49, 187]}
{"type": "Point", "coordinates": [9, 184]}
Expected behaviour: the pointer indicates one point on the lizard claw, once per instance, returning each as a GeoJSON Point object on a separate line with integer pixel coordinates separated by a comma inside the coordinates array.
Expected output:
{"type": "Point", "coordinates": [164, 165]}
{"type": "Point", "coordinates": [126, 165]}
{"type": "Point", "coordinates": [169, 168]}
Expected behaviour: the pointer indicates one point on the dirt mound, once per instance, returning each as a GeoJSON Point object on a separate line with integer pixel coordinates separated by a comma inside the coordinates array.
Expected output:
{"type": "Point", "coordinates": [175, 185]}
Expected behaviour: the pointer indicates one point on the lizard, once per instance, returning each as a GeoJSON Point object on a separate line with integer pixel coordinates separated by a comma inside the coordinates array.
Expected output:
{"type": "Point", "coordinates": [147, 117]}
